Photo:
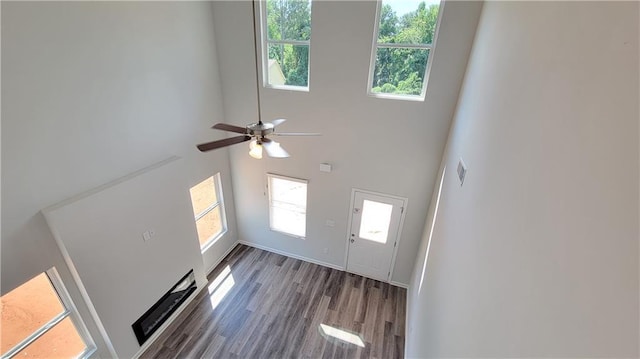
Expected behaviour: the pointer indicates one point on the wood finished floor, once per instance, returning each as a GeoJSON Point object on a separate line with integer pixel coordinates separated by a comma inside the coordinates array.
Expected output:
{"type": "Point", "coordinates": [274, 307]}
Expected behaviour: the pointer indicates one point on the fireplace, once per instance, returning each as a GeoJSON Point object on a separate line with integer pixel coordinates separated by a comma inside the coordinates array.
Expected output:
{"type": "Point", "coordinates": [153, 318]}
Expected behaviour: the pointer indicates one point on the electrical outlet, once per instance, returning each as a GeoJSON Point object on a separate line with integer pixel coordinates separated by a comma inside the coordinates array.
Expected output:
{"type": "Point", "coordinates": [147, 235]}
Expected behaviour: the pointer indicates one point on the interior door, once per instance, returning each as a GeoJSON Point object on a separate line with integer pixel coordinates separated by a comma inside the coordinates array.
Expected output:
{"type": "Point", "coordinates": [374, 232]}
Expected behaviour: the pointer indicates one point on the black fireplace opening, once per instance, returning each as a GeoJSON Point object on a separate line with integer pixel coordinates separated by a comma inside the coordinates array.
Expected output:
{"type": "Point", "coordinates": [153, 318]}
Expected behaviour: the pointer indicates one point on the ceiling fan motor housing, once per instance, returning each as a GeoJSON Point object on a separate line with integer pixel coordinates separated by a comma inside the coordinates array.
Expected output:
{"type": "Point", "coordinates": [260, 130]}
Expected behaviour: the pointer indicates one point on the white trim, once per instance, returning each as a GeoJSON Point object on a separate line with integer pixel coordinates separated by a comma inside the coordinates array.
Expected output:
{"type": "Point", "coordinates": [287, 87]}
{"type": "Point", "coordinates": [399, 284]}
{"type": "Point", "coordinates": [427, 71]}
{"type": "Point", "coordinates": [374, 51]}
{"type": "Point", "coordinates": [393, 45]}
{"type": "Point", "coordinates": [264, 48]}
{"type": "Point", "coordinates": [288, 42]}
{"type": "Point", "coordinates": [76, 276]}
{"type": "Point", "coordinates": [219, 260]}
{"type": "Point", "coordinates": [310, 260]}
{"type": "Point", "coordinates": [374, 47]}
{"type": "Point", "coordinates": [405, 202]}
{"type": "Point", "coordinates": [264, 56]}
{"type": "Point", "coordinates": [217, 187]}
{"type": "Point", "coordinates": [291, 255]}
{"type": "Point", "coordinates": [74, 315]}
{"type": "Point", "coordinates": [393, 96]}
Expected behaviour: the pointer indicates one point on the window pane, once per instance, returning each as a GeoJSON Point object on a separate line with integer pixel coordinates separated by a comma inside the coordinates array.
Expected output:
{"type": "Point", "coordinates": [285, 220]}
{"type": "Point", "coordinates": [288, 205]}
{"type": "Point", "coordinates": [61, 341]}
{"type": "Point", "coordinates": [408, 21]}
{"type": "Point", "coordinates": [203, 195]}
{"type": "Point", "coordinates": [288, 65]}
{"type": "Point", "coordinates": [375, 221]}
{"type": "Point", "coordinates": [293, 192]}
{"type": "Point", "coordinates": [289, 19]}
{"type": "Point", "coordinates": [399, 71]}
{"type": "Point", "coordinates": [209, 226]}
{"type": "Point", "coordinates": [26, 309]}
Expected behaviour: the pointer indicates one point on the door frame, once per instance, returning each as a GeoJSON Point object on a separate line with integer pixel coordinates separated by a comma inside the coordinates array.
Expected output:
{"type": "Point", "coordinates": [405, 202]}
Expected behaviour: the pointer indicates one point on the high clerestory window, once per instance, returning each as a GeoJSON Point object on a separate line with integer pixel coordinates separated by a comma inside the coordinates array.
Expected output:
{"type": "Point", "coordinates": [286, 38]}
{"type": "Point", "coordinates": [405, 36]}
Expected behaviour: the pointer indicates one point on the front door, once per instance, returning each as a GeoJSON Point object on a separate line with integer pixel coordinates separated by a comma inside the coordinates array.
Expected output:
{"type": "Point", "coordinates": [375, 228]}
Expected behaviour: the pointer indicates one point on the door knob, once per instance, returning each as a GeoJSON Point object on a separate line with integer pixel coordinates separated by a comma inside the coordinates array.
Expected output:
{"type": "Point", "coordinates": [352, 240]}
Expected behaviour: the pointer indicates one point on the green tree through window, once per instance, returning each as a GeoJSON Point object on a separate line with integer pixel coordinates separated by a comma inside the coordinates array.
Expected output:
{"type": "Point", "coordinates": [288, 27]}
{"type": "Point", "coordinates": [403, 46]}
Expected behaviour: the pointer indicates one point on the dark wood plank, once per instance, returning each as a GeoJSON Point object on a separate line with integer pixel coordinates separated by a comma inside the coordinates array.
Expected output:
{"type": "Point", "coordinates": [275, 309]}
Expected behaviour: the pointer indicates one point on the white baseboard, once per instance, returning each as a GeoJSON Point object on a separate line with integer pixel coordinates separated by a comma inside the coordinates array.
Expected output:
{"type": "Point", "coordinates": [223, 256]}
{"type": "Point", "coordinates": [291, 255]}
{"type": "Point", "coordinates": [399, 284]}
{"type": "Point", "coordinates": [168, 322]}
{"type": "Point", "coordinates": [176, 314]}
{"type": "Point", "coordinates": [310, 260]}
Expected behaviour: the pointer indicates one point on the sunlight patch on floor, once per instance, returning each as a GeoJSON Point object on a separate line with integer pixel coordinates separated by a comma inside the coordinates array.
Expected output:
{"type": "Point", "coordinates": [220, 286]}
{"type": "Point", "coordinates": [343, 335]}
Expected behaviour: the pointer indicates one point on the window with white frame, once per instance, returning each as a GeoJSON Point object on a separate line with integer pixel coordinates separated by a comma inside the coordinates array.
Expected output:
{"type": "Point", "coordinates": [39, 320]}
{"type": "Point", "coordinates": [286, 38]}
{"type": "Point", "coordinates": [287, 205]}
{"type": "Point", "coordinates": [208, 209]}
{"type": "Point", "coordinates": [405, 36]}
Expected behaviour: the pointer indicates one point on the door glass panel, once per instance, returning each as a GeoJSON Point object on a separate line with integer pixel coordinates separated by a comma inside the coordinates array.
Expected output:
{"type": "Point", "coordinates": [376, 218]}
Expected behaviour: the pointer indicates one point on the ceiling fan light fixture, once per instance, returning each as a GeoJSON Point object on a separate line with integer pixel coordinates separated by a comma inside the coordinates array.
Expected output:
{"type": "Point", "coordinates": [256, 132]}
{"type": "Point", "coordinates": [255, 149]}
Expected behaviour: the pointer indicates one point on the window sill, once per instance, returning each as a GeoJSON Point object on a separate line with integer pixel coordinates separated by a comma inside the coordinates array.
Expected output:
{"type": "Point", "coordinates": [390, 96]}
{"type": "Point", "coordinates": [287, 234]}
{"type": "Point", "coordinates": [287, 88]}
{"type": "Point", "coordinates": [213, 241]}
{"type": "Point", "coordinates": [87, 353]}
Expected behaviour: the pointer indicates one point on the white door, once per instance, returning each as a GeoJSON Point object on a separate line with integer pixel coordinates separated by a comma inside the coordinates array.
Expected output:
{"type": "Point", "coordinates": [375, 228]}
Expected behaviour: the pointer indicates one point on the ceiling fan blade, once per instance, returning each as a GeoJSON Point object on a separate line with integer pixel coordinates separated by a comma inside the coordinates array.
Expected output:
{"type": "Point", "coordinates": [277, 121]}
{"type": "Point", "coordinates": [273, 149]}
{"type": "Point", "coordinates": [295, 134]}
{"type": "Point", "coordinates": [222, 143]}
{"type": "Point", "coordinates": [228, 127]}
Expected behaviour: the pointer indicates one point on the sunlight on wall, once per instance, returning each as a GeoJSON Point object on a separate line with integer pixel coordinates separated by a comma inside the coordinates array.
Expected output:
{"type": "Point", "coordinates": [220, 286]}
{"type": "Point", "coordinates": [340, 334]}
{"type": "Point", "coordinates": [433, 222]}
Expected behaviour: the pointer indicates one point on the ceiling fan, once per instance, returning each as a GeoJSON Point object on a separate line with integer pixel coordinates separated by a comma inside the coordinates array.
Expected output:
{"type": "Point", "coordinates": [256, 132]}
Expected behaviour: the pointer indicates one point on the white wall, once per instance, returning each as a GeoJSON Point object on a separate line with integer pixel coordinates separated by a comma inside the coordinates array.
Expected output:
{"type": "Point", "coordinates": [381, 145]}
{"type": "Point", "coordinates": [537, 254]}
{"type": "Point", "coordinates": [92, 92]}
{"type": "Point", "coordinates": [123, 276]}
